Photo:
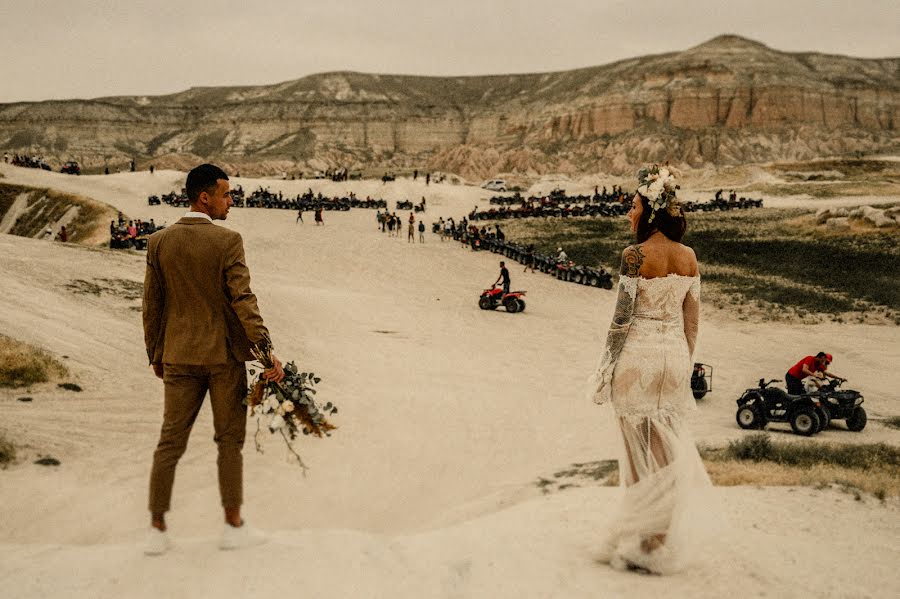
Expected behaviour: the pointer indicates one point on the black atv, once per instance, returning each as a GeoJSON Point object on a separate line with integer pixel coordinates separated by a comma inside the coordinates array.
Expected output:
{"type": "Point", "coordinates": [759, 406]}
{"type": "Point", "coordinates": [701, 381]}
{"type": "Point", "coordinates": [843, 405]}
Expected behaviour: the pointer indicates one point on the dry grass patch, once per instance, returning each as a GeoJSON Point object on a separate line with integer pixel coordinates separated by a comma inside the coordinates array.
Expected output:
{"type": "Point", "coordinates": [757, 460]}
{"type": "Point", "coordinates": [7, 451]}
{"type": "Point", "coordinates": [880, 483]}
{"type": "Point", "coordinates": [22, 365]}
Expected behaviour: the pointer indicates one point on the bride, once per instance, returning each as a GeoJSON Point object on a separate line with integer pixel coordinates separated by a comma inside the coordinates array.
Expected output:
{"type": "Point", "coordinates": [645, 374]}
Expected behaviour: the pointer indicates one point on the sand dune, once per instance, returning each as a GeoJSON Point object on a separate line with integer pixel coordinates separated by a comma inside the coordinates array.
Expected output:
{"type": "Point", "coordinates": [448, 417]}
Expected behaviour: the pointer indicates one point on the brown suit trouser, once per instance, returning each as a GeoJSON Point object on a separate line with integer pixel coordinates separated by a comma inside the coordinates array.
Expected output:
{"type": "Point", "coordinates": [185, 388]}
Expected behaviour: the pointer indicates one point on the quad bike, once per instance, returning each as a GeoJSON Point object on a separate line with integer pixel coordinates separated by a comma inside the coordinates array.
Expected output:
{"type": "Point", "coordinates": [700, 386]}
{"type": "Point", "coordinates": [71, 168]}
{"type": "Point", "coordinates": [492, 298]}
{"type": "Point", "coordinates": [759, 406]}
{"type": "Point", "coordinates": [843, 405]}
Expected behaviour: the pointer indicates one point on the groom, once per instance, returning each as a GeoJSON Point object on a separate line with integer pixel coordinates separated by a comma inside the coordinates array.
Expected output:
{"type": "Point", "coordinates": [200, 319]}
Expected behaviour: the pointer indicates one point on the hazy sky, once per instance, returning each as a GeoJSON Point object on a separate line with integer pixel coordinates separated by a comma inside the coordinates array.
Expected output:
{"type": "Point", "coordinates": [93, 48]}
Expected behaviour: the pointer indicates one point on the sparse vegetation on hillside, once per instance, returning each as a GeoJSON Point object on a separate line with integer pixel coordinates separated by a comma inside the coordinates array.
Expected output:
{"type": "Point", "coordinates": [22, 365]}
{"type": "Point", "coordinates": [773, 261]}
{"type": "Point", "coordinates": [832, 178]}
{"type": "Point", "coordinates": [45, 207]}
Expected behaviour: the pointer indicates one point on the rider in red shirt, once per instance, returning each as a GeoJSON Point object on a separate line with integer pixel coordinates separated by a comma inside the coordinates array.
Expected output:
{"type": "Point", "coordinates": [808, 366]}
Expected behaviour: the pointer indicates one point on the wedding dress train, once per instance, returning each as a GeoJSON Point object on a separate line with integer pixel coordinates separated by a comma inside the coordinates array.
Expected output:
{"type": "Point", "coordinates": [645, 372]}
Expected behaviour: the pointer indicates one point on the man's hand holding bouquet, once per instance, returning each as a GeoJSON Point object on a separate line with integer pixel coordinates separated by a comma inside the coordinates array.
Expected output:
{"type": "Point", "coordinates": [283, 399]}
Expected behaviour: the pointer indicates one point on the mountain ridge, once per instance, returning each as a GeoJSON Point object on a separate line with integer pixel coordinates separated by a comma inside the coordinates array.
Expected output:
{"type": "Point", "coordinates": [724, 101]}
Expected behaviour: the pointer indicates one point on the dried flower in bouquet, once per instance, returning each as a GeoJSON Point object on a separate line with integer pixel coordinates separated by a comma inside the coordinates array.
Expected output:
{"type": "Point", "coordinates": [288, 407]}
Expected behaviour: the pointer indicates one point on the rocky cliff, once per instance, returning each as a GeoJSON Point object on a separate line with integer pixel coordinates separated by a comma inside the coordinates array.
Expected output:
{"type": "Point", "coordinates": [727, 101]}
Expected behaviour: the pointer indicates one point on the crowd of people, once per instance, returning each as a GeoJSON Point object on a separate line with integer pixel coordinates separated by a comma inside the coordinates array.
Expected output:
{"type": "Point", "coordinates": [391, 224]}
{"type": "Point", "coordinates": [131, 234]}
{"type": "Point", "coordinates": [26, 161]}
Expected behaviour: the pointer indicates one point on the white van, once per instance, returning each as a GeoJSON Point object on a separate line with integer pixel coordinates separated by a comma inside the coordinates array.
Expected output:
{"type": "Point", "coordinates": [495, 185]}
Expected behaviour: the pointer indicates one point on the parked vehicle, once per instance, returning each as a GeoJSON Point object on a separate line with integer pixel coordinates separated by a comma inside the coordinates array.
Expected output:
{"type": "Point", "coordinates": [71, 168]}
{"type": "Point", "coordinates": [759, 406]}
{"type": "Point", "coordinates": [843, 405]}
{"type": "Point", "coordinates": [701, 381]}
{"type": "Point", "coordinates": [494, 297]}
{"type": "Point", "coordinates": [495, 185]}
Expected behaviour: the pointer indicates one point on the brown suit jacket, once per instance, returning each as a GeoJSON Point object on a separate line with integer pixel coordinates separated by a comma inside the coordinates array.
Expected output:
{"type": "Point", "coordinates": [198, 307]}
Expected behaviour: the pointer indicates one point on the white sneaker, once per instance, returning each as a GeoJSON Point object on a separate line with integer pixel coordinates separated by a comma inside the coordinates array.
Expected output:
{"type": "Point", "coordinates": [241, 537]}
{"type": "Point", "coordinates": [157, 542]}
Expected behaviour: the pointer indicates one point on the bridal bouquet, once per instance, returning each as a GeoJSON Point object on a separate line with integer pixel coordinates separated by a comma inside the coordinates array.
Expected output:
{"type": "Point", "coordinates": [287, 407]}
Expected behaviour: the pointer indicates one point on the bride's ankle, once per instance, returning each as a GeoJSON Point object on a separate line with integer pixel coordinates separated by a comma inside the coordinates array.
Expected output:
{"type": "Point", "coordinates": [652, 543]}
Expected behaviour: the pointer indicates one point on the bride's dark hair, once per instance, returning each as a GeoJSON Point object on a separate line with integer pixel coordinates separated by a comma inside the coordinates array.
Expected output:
{"type": "Point", "coordinates": [671, 226]}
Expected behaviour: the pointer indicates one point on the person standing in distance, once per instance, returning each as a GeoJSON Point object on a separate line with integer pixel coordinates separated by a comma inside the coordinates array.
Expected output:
{"type": "Point", "coordinates": [200, 321]}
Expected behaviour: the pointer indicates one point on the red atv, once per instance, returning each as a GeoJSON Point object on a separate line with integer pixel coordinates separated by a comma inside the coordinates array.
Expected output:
{"type": "Point", "coordinates": [492, 298]}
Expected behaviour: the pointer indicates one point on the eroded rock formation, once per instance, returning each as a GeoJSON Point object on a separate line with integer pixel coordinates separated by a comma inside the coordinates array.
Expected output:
{"type": "Point", "coordinates": [727, 101]}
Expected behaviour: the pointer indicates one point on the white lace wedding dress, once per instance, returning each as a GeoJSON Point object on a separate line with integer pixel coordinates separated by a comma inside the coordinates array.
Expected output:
{"type": "Point", "coordinates": [645, 373]}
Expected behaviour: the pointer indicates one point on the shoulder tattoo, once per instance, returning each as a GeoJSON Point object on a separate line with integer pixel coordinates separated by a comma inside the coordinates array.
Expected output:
{"type": "Point", "coordinates": [632, 259]}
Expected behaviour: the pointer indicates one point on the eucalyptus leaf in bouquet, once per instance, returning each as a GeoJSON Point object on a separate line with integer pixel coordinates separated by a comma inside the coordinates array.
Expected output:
{"type": "Point", "coordinates": [287, 407]}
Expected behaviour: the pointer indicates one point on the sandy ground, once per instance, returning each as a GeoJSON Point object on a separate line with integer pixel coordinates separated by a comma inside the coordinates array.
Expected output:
{"type": "Point", "coordinates": [448, 417]}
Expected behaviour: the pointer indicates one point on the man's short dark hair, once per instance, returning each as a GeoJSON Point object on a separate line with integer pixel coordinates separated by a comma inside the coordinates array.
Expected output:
{"type": "Point", "coordinates": [821, 354]}
{"type": "Point", "coordinates": [203, 178]}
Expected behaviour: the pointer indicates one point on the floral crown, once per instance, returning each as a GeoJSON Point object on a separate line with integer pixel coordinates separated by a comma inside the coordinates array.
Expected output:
{"type": "Point", "coordinates": [658, 184]}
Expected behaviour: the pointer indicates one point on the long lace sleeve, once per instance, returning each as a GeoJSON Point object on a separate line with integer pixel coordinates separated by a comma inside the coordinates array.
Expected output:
{"type": "Point", "coordinates": [691, 310]}
{"type": "Point", "coordinates": [600, 388]}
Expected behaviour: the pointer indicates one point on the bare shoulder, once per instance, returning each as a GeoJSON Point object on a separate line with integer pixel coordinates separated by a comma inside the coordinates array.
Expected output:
{"type": "Point", "coordinates": [632, 260]}
{"type": "Point", "coordinates": [689, 260]}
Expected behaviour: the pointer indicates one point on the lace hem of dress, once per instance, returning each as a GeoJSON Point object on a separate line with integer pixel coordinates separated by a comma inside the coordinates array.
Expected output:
{"type": "Point", "coordinates": [667, 413]}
